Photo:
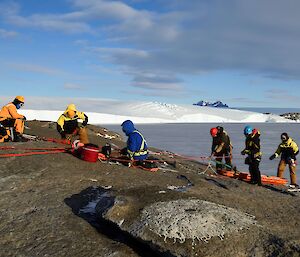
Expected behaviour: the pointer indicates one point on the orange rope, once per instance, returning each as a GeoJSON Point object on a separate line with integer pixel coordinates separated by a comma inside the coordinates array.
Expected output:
{"type": "Point", "coordinates": [30, 149]}
{"type": "Point", "coordinates": [32, 153]}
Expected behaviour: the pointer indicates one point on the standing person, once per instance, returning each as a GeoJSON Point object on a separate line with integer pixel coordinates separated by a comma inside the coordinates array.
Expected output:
{"type": "Point", "coordinates": [221, 147]}
{"type": "Point", "coordinates": [252, 149]}
{"type": "Point", "coordinates": [68, 126]}
{"type": "Point", "coordinates": [288, 150]}
{"type": "Point", "coordinates": [9, 117]}
{"type": "Point", "coordinates": [137, 148]}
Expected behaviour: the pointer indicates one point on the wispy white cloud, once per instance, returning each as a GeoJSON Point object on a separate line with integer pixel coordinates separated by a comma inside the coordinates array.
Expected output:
{"type": "Point", "coordinates": [118, 52]}
{"type": "Point", "coordinates": [51, 22]}
{"type": "Point", "coordinates": [7, 34]}
{"type": "Point", "coordinates": [58, 22]}
{"type": "Point", "coordinates": [159, 83]}
{"type": "Point", "coordinates": [194, 36]}
{"type": "Point", "coordinates": [102, 8]}
{"type": "Point", "coordinates": [244, 101]}
{"type": "Point", "coordinates": [155, 93]}
{"type": "Point", "coordinates": [29, 67]}
{"type": "Point", "coordinates": [72, 86]}
{"type": "Point", "coordinates": [186, 37]}
{"type": "Point", "coordinates": [158, 86]}
{"type": "Point", "coordinates": [282, 95]}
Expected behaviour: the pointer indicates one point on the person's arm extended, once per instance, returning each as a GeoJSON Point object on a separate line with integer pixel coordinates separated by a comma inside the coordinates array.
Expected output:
{"type": "Point", "coordinates": [83, 117]}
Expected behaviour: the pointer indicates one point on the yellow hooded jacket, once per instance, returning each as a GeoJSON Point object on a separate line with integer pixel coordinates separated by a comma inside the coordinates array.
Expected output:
{"type": "Point", "coordinates": [288, 149]}
{"type": "Point", "coordinates": [68, 125]}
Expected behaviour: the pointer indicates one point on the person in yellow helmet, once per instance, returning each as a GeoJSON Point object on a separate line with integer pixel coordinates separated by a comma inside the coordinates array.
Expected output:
{"type": "Point", "coordinates": [68, 126]}
{"type": "Point", "coordinates": [9, 117]}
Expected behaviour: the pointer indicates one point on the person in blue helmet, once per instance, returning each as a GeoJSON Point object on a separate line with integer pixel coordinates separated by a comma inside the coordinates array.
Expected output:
{"type": "Point", "coordinates": [252, 149]}
{"type": "Point", "coordinates": [137, 148]}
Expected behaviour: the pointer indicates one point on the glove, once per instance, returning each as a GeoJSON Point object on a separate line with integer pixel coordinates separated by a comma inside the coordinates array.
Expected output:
{"type": "Point", "coordinates": [272, 157]}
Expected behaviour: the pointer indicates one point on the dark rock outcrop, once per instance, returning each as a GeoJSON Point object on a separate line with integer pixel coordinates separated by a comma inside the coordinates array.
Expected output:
{"type": "Point", "coordinates": [291, 115]}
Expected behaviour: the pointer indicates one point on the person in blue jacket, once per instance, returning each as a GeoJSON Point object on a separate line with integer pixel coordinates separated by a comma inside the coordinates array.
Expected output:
{"type": "Point", "coordinates": [137, 148]}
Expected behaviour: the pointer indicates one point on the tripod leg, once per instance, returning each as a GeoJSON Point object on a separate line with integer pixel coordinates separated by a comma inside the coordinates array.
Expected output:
{"type": "Point", "coordinates": [209, 167]}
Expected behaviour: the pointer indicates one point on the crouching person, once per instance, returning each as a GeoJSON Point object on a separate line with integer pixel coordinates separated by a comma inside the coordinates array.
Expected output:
{"type": "Point", "coordinates": [68, 125]}
{"type": "Point", "coordinates": [11, 119]}
{"type": "Point", "coordinates": [136, 149]}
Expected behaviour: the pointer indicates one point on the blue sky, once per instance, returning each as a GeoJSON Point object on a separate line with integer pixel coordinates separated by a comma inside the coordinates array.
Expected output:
{"type": "Point", "coordinates": [245, 53]}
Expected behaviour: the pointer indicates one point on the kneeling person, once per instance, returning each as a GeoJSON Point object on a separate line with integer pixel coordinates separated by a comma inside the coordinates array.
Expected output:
{"type": "Point", "coordinates": [68, 126]}
{"type": "Point", "coordinates": [137, 149]}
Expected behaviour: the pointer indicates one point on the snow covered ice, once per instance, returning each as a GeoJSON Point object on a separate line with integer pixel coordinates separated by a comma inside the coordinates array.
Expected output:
{"type": "Point", "coordinates": [115, 112]}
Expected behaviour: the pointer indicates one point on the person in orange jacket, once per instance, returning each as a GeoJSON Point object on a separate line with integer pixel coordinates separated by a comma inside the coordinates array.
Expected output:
{"type": "Point", "coordinates": [9, 117]}
{"type": "Point", "coordinates": [68, 126]}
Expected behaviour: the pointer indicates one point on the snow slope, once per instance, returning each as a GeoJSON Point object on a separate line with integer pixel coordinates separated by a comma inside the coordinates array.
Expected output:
{"type": "Point", "coordinates": [115, 112]}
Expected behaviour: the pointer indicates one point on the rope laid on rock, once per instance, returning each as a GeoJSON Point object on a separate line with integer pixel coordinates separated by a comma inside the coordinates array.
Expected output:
{"type": "Point", "coordinates": [30, 149]}
{"type": "Point", "coordinates": [35, 150]}
{"type": "Point", "coordinates": [32, 153]}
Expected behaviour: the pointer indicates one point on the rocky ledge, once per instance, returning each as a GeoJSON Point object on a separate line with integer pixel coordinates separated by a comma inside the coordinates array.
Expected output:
{"type": "Point", "coordinates": [59, 205]}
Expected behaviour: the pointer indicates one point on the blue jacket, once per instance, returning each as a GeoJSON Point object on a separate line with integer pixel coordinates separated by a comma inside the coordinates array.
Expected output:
{"type": "Point", "coordinates": [136, 144]}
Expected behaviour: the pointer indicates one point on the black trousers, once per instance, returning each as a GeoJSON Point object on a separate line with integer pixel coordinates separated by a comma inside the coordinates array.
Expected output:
{"type": "Point", "coordinates": [254, 171]}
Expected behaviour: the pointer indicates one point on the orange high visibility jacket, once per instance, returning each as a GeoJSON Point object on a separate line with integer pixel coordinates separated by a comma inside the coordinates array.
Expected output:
{"type": "Point", "coordinates": [10, 111]}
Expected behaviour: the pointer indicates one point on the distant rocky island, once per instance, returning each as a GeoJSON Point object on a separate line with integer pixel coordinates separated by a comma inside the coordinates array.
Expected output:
{"type": "Point", "coordinates": [291, 115]}
{"type": "Point", "coordinates": [218, 104]}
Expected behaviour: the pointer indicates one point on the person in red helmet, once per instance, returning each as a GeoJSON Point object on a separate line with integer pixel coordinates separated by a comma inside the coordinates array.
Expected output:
{"type": "Point", "coordinates": [221, 147]}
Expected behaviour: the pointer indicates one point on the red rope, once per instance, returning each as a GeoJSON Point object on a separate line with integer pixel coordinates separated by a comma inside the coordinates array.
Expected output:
{"type": "Point", "coordinates": [55, 140]}
{"type": "Point", "coordinates": [31, 149]}
{"type": "Point", "coordinates": [32, 153]}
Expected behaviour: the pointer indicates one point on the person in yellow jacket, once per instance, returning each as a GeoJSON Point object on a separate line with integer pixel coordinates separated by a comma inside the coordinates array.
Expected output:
{"type": "Point", "coordinates": [9, 117]}
{"type": "Point", "coordinates": [288, 150]}
{"type": "Point", "coordinates": [68, 126]}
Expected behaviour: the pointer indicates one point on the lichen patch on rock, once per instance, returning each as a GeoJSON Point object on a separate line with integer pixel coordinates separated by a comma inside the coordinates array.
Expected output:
{"type": "Point", "coordinates": [193, 219]}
